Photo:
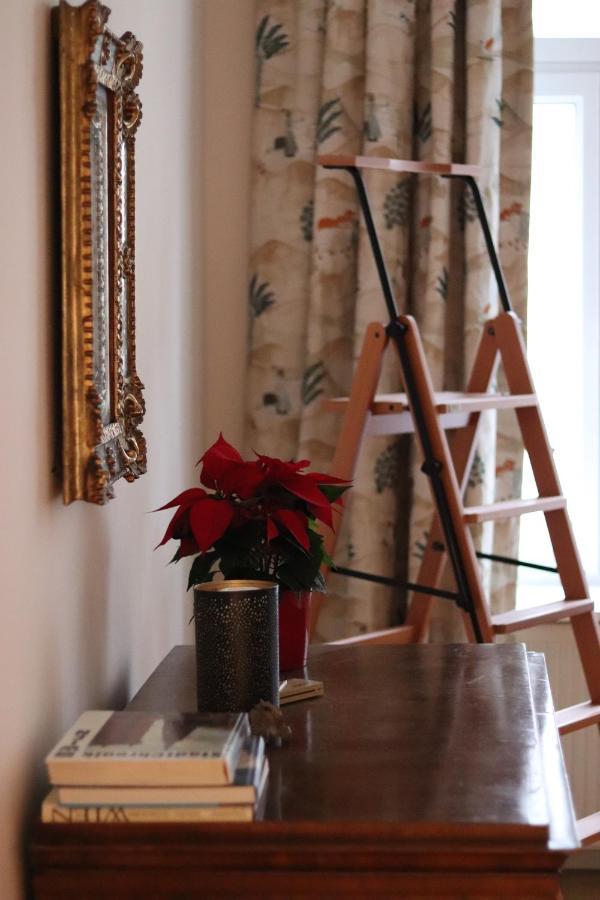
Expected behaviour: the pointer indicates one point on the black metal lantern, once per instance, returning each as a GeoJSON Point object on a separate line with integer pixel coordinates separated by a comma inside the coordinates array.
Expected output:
{"type": "Point", "coordinates": [237, 644]}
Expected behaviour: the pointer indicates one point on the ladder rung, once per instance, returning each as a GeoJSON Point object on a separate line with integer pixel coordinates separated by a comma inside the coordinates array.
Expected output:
{"type": "Point", "coordinates": [507, 509]}
{"type": "Point", "coordinates": [456, 402]}
{"type": "Point", "coordinates": [588, 828]}
{"type": "Point", "coordinates": [335, 161]}
{"type": "Point", "coordinates": [445, 402]}
{"type": "Point", "coordinates": [383, 404]}
{"type": "Point", "coordinates": [515, 619]}
{"type": "Point", "coordinates": [572, 718]}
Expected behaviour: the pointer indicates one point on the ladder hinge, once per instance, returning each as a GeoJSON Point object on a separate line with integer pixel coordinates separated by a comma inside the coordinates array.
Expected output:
{"type": "Point", "coordinates": [431, 467]}
{"type": "Point", "coordinates": [396, 328]}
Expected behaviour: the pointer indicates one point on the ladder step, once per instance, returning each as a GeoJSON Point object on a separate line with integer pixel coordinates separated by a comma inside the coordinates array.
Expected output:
{"type": "Point", "coordinates": [588, 829]}
{"type": "Point", "coordinates": [450, 401]}
{"type": "Point", "coordinates": [572, 718]}
{"type": "Point", "coordinates": [515, 619]}
{"type": "Point", "coordinates": [506, 509]}
{"type": "Point", "coordinates": [445, 402]}
{"type": "Point", "coordinates": [334, 161]}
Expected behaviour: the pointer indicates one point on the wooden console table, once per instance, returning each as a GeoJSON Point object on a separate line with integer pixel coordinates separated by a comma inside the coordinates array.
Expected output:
{"type": "Point", "coordinates": [425, 771]}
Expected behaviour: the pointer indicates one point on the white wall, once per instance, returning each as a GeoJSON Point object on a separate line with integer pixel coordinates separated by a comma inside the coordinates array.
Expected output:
{"type": "Point", "coordinates": [226, 129]}
{"type": "Point", "coordinates": [87, 609]}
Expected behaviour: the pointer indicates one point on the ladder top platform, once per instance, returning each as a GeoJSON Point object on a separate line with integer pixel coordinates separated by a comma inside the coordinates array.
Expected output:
{"type": "Point", "coordinates": [334, 161]}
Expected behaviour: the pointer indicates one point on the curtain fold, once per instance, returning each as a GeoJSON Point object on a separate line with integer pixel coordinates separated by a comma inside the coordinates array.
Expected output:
{"type": "Point", "coordinates": [424, 80]}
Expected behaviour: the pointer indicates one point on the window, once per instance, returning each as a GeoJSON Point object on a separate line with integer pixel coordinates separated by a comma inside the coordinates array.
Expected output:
{"type": "Point", "coordinates": [564, 283]}
{"type": "Point", "coordinates": [552, 19]}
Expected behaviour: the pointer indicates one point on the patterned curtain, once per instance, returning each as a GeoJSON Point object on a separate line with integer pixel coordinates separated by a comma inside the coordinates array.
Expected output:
{"type": "Point", "coordinates": [434, 80]}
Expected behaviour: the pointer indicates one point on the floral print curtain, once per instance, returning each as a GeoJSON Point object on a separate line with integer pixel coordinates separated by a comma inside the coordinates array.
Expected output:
{"type": "Point", "coordinates": [440, 80]}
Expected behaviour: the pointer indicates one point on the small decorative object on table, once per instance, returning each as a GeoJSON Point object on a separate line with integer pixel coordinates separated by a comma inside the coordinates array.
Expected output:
{"type": "Point", "coordinates": [266, 721]}
{"type": "Point", "coordinates": [237, 663]}
{"type": "Point", "coordinates": [257, 521]}
{"type": "Point", "coordinates": [295, 689]}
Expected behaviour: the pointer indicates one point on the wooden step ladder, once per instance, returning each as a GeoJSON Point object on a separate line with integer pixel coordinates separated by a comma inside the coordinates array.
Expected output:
{"type": "Point", "coordinates": [447, 462]}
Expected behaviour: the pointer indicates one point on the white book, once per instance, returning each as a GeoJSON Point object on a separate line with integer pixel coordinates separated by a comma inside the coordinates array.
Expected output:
{"type": "Point", "coordinates": [138, 748]}
{"type": "Point", "coordinates": [244, 788]}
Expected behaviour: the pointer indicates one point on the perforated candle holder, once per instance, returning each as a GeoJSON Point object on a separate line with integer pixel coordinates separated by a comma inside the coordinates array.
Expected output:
{"type": "Point", "coordinates": [237, 644]}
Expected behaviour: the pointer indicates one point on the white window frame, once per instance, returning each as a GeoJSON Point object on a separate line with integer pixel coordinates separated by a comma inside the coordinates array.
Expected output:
{"type": "Point", "coordinates": [569, 69]}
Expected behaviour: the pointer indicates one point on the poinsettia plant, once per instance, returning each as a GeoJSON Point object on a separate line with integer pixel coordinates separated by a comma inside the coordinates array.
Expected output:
{"type": "Point", "coordinates": [254, 519]}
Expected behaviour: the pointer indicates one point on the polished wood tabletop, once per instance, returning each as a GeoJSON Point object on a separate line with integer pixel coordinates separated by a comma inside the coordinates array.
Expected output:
{"type": "Point", "coordinates": [432, 770]}
{"type": "Point", "coordinates": [431, 733]}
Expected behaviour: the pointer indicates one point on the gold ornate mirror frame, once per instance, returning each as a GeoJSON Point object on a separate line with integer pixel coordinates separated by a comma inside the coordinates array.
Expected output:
{"type": "Point", "coordinates": [100, 111]}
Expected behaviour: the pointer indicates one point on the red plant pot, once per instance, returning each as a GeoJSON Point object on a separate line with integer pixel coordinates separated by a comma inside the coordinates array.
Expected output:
{"type": "Point", "coordinates": [293, 629]}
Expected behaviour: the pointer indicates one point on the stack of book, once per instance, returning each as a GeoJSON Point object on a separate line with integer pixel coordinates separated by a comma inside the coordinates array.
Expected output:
{"type": "Point", "coordinates": [135, 766]}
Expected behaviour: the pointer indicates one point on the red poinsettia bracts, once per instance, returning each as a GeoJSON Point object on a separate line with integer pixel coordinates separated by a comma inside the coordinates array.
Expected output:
{"type": "Point", "coordinates": [204, 516]}
{"type": "Point", "coordinates": [217, 459]}
{"type": "Point", "coordinates": [179, 524]}
{"type": "Point", "coordinates": [295, 522]}
{"type": "Point", "coordinates": [263, 510]}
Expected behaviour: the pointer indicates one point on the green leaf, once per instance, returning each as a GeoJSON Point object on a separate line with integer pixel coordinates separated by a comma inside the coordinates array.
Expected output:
{"type": "Point", "coordinates": [285, 544]}
{"type": "Point", "coordinates": [247, 537]}
{"type": "Point", "coordinates": [275, 29]}
{"type": "Point", "coordinates": [234, 560]}
{"type": "Point", "coordinates": [319, 583]}
{"type": "Point", "coordinates": [327, 115]}
{"type": "Point", "coordinates": [261, 30]}
{"type": "Point", "coordinates": [329, 104]}
{"type": "Point", "coordinates": [300, 570]}
{"type": "Point", "coordinates": [328, 120]}
{"type": "Point", "coordinates": [260, 298]}
{"type": "Point", "coordinates": [311, 382]}
{"type": "Point", "coordinates": [200, 570]}
{"type": "Point", "coordinates": [324, 135]}
{"type": "Point", "coordinates": [244, 569]}
{"type": "Point", "coordinates": [333, 491]}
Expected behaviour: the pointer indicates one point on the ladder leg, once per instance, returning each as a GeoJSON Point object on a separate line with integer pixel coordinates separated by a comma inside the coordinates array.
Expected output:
{"type": "Point", "coordinates": [446, 493]}
{"type": "Point", "coordinates": [349, 441]}
{"type": "Point", "coordinates": [430, 570]}
{"type": "Point", "coordinates": [570, 569]}
{"type": "Point", "coordinates": [587, 636]}
{"type": "Point", "coordinates": [462, 445]}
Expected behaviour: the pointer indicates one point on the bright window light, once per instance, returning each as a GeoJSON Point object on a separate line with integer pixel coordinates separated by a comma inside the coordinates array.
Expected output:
{"type": "Point", "coordinates": [555, 19]}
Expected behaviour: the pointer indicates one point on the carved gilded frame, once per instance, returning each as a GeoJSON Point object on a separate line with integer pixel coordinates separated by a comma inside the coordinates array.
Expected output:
{"type": "Point", "coordinates": [102, 401]}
